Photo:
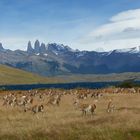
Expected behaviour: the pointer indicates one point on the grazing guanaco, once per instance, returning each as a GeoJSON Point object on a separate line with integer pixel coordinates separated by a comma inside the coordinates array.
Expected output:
{"type": "Point", "coordinates": [35, 109]}
{"type": "Point", "coordinates": [88, 108]}
{"type": "Point", "coordinates": [110, 106]}
{"type": "Point", "coordinates": [55, 100]}
{"type": "Point", "coordinates": [85, 107]}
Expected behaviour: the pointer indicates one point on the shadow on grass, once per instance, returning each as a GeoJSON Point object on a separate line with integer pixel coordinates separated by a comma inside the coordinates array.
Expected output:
{"type": "Point", "coordinates": [77, 135]}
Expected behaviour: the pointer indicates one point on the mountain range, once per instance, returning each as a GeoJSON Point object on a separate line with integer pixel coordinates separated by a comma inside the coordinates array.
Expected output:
{"type": "Point", "coordinates": [58, 59]}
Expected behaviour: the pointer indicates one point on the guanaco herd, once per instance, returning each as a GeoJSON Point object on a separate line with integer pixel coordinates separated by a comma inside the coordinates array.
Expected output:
{"type": "Point", "coordinates": [25, 99]}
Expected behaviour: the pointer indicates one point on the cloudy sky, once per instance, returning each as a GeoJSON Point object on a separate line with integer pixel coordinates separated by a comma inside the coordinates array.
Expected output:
{"type": "Point", "coordinates": [81, 24]}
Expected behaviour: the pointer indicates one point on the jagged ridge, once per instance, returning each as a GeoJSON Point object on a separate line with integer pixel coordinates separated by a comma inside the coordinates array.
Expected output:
{"type": "Point", "coordinates": [58, 59]}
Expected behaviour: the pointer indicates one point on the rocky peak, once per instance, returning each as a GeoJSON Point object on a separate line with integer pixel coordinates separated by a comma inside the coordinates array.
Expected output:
{"type": "Point", "coordinates": [37, 46]}
{"type": "Point", "coordinates": [1, 47]}
{"type": "Point", "coordinates": [59, 48]}
{"type": "Point", "coordinates": [42, 48]}
{"type": "Point", "coordinates": [29, 48]}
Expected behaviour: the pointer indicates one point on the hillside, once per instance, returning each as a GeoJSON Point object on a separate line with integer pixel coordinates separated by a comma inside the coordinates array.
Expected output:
{"type": "Point", "coordinates": [13, 76]}
{"type": "Point", "coordinates": [9, 75]}
{"type": "Point", "coordinates": [99, 77]}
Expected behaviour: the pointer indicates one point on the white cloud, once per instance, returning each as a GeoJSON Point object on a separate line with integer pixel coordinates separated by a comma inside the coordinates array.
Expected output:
{"type": "Point", "coordinates": [122, 30]}
{"type": "Point", "coordinates": [126, 15]}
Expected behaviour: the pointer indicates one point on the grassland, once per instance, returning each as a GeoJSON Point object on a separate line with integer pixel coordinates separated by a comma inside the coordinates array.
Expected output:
{"type": "Point", "coordinates": [65, 122]}
{"type": "Point", "coordinates": [13, 76]}
{"type": "Point", "coordinates": [9, 75]}
{"type": "Point", "coordinates": [99, 77]}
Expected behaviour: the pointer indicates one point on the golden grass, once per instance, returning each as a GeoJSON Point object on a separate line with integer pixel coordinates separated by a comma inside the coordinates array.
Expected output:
{"type": "Point", "coordinates": [66, 123]}
{"type": "Point", "coordinates": [13, 76]}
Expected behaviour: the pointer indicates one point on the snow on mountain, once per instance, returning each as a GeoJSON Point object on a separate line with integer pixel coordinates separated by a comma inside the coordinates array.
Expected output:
{"type": "Point", "coordinates": [106, 53]}
{"type": "Point", "coordinates": [80, 54]}
{"type": "Point", "coordinates": [46, 54]}
{"type": "Point", "coordinates": [55, 59]}
{"type": "Point", "coordinates": [128, 50]}
{"type": "Point", "coordinates": [52, 47]}
{"type": "Point", "coordinates": [38, 54]}
{"type": "Point", "coordinates": [58, 47]}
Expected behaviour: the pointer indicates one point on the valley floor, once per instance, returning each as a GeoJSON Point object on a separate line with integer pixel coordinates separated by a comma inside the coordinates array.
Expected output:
{"type": "Point", "coordinates": [66, 122]}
